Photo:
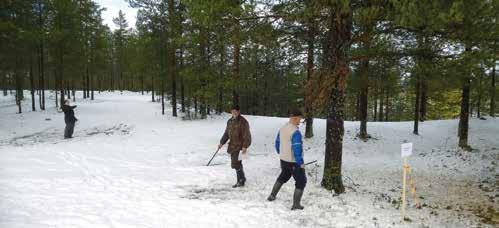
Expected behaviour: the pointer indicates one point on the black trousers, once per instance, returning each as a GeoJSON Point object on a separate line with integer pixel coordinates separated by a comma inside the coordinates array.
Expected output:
{"type": "Point", "coordinates": [289, 169]}
{"type": "Point", "coordinates": [68, 131]}
{"type": "Point", "coordinates": [235, 163]}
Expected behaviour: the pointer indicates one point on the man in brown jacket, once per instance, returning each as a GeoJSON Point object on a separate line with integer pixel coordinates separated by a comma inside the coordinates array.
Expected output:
{"type": "Point", "coordinates": [238, 134]}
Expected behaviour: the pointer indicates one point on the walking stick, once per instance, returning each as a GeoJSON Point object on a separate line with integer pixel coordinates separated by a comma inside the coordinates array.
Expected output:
{"type": "Point", "coordinates": [212, 157]}
{"type": "Point", "coordinates": [312, 162]}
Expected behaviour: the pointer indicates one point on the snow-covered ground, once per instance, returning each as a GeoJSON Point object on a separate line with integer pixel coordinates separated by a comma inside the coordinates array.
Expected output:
{"type": "Point", "coordinates": [130, 166]}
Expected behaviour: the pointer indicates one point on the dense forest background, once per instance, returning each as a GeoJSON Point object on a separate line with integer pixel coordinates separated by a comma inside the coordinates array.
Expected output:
{"type": "Point", "coordinates": [372, 60]}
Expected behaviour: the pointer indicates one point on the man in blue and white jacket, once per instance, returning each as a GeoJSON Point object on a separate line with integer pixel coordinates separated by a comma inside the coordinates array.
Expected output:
{"type": "Point", "coordinates": [289, 146]}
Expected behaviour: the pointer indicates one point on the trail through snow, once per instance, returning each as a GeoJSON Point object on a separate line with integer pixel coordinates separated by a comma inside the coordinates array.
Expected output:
{"type": "Point", "coordinates": [130, 166]}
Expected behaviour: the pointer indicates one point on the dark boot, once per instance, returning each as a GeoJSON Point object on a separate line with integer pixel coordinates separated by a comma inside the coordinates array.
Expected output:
{"type": "Point", "coordinates": [275, 190]}
{"type": "Point", "coordinates": [241, 179]}
{"type": "Point", "coordinates": [238, 179]}
{"type": "Point", "coordinates": [296, 200]}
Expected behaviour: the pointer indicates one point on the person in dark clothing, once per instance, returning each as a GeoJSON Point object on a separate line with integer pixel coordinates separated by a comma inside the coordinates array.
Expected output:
{"type": "Point", "coordinates": [69, 118]}
{"type": "Point", "coordinates": [289, 146]}
{"type": "Point", "coordinates": [237, 132]}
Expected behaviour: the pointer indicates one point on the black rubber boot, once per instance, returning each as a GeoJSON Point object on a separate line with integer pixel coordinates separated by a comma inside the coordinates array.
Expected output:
{"type": "Point", "coordinates": [241, 179]}
{"type": "Point", "coordinates": [238, 179]}
{"type": "Point", "coordinates": [296, 200]}
{"type": "Point", "coordinates": [275, 190]}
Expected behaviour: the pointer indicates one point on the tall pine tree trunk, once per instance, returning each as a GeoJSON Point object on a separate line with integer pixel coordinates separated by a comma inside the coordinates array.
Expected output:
{"type": "Point", "coordinates": [375, 97]}
{"type": "Point", "coordinates": [492, 111]}
{"type": "Point", "coordinates": [309, 115]}
{"type": "Point", "coordinates": [91, 88]}
{"type": "Point", "coordinates": [4, 83]}
{"type": "Point", "coordinates": [465, 108]}
{"type": "Point", "coordinates": [56, 86]}
{"type": "Point", "coordinates": [32, 83]}
{"type": "Point", "coordinates": [417, 104]}
{"type": "Point", "coordinates": [464, 115]}
{"type": "Point", "coordinates": [60, 74]}
{"type": "Point", "coordinates": [479, 98]}
{"type": "Point", "coordinates": [87, 82]}
{"type": "Point", "coordinates": [162, 96]}
{"type": "Point", "coordinates": [195, 105]}
{"type": "Point", "coordinates": [363, 98]}
{"type": "Point", "coordinates": [424, 98]}
{"type": "Point", "coordinates": [381, 101]}
{"type": "Point", "coordinates": [235, 56]}
{"type": "Point", "coordinates": [73, 91]}
{"type": "Point", "coordinates": [41, 60]}
{"type": "Point", "coordinates": [19, 83]}
{"type": "Point", "coordinates": [68, 91]}
{"type": "Point", "coordinates": [387, 102]}
{"type": "Point", "coordinates": [182, 84]}
{"type": "Point", "coordinates": [338, 39]}
{"type": "Point", "coordinates": [84, 84]}
{"type": "Point", "coordinates": [152, 88]}
{"type": "Point", "coordinates": [172, 49]}
{"type": "Point", "coordinates": [220, 88]}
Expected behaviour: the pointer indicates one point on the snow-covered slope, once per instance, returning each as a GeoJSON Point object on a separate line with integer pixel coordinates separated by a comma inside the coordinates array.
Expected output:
{"type": "Point", "coordinates": [130, 166]}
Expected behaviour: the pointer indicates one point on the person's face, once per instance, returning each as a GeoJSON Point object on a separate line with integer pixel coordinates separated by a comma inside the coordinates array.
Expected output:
{"type": "Point", "coordinates": [296, 120]}
{"type": "Point", "coordinates": [235, 113]}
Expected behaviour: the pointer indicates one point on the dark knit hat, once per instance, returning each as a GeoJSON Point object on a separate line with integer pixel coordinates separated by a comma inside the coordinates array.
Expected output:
{"type": "Point", "coordinates": [235, 107]}
{"type": "Point", "coordinates": [295, 113]}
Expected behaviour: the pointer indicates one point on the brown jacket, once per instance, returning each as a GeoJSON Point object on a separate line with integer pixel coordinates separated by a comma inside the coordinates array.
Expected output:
{"type": "Point", "coordinates": [238, 132]}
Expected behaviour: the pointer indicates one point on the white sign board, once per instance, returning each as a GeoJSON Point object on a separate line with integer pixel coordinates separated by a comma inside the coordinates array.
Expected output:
{"type": "Point", "coordinates": [406, 150]}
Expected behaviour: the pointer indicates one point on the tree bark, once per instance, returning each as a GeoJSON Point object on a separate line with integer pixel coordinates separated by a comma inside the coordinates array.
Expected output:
{"type": "Point", "coordinates": [4, 83]}
{"type": "Point", "coordinates": [465, 108]}
{"type": "Point", "coordinates": [220, 88]}
{"type": "Point", "coordinates": [424, 98]}
{"type": "Point", "coordinates": [375, 97]}
{"type": "Point", "coordinates": [84, 86]}
{"type": "Point", "coordinates": [363, 99]}
{"type": "Point", "coordinates": [479, 98]}
{"type": "Point", "coordinates": [492, 111]}
{"type": "Point", "coordinates": [32, 83]}
{"type": "Point", "coordinates": [387, 102]}
{"type": "Point", "coordinates": [41, 62]}
{"type": "Point", "coordinates": [152, 88]}
{"type": "Point", "coordinates": [60, 73]}
{"type": "Point", "coordinates": [162, 96]}
{"type": "Point", "coordinates": [417, 104]}
{"type": "Point", "coordinates": [235, 56]}
{"type": "Point", "coordinates": [464, 115]}
{"type": "Point", "coordinates": [91, 88]}
{"type": "Point", "coordinates": [339, 38]}
{"type": "Point", "coordinates": [182, 84]}
{"type": "Point", "coordinates": [87, 82]}
{"type": "Point", "coordinates": [195, 105]}
{"type": "Point", "coordinates": [19, 84]}
{"type": "Point", "coordinates": [73, 90]}
{"type": "Point", "coordinates": [309, 115]}
{"type": "Point", "coordinates": [172, 49]}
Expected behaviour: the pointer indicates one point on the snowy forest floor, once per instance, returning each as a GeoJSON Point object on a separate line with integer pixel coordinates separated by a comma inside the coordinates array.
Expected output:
{"type": "Point", "coordinates": [130, 166]}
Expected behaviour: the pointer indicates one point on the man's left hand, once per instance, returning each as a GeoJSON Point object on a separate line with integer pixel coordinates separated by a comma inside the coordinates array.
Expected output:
{"type": "Point", "coordinates": [244, 150]}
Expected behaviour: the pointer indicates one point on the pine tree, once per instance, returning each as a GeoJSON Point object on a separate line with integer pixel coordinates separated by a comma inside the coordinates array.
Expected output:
{"type": "Point", "coordinates": [335, 72]}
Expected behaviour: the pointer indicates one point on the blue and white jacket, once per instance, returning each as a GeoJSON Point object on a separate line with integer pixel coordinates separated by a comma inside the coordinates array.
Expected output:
{"type": "Point", "coordinates": [289, 144]}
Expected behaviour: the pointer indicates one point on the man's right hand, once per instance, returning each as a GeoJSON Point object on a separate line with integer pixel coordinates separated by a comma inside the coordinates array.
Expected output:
{"type": "Point", "coordinates": [220, 146]}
